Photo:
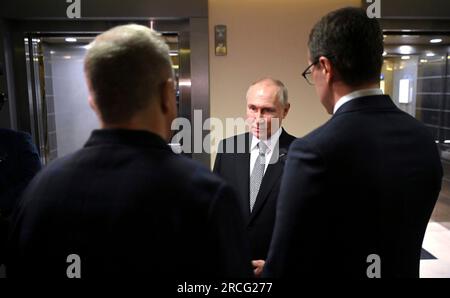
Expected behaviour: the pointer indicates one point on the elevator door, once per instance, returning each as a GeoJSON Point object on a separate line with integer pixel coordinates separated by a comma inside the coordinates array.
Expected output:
{"type": "Point", "coordinates": [63, 119]}
{"type": "Point", "coordinates": [416, 74]}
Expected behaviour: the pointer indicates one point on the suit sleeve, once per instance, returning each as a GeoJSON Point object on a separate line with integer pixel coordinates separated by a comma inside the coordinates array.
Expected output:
{"type": "Point", "coordinates": [28, 164]}
{"type": "Point", "coordinates": [297, 226]}
{"type": "Point", "coordinates": [231, 252]}
{"type": "Point", "coordinates": [30, 161]}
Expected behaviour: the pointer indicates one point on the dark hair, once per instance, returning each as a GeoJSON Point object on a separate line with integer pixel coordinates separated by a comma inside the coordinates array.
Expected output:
{"type": "Point", "coordinates": [352, 41]}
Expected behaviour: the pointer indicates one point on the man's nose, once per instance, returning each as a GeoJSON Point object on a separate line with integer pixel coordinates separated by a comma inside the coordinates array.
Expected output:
{"type": "Point", "coordinates": [260, 120]}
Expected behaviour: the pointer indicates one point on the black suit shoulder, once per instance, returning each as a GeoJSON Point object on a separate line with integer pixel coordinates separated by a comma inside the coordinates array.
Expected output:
{"type": "Point", "coordinates": [353, 128]}
{"type": "Point", "coordinates": [362, 166]}
{"type": "Point", "coordinates": [126, 203]}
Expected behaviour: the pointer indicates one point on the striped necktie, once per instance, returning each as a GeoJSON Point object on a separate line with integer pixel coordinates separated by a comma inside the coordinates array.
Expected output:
{"type": "Point", "coordinates": [257, 173]}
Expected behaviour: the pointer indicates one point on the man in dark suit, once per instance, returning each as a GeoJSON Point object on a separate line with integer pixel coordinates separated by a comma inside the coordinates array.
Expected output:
{"type": "Point", "coordinates": [357, 193]}
{"type": "Point", "coordinates": [237, 162]}
{"type": "Point", "coordinates": [19, 162]}
{"type": "Point", "coordinates": [125, 205]}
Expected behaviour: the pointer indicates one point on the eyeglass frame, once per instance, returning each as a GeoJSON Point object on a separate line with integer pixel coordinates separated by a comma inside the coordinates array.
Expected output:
{"type": "Point", "coordinates": [304, 73]}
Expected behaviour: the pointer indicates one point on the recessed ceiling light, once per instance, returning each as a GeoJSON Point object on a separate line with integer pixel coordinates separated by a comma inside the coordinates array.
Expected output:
{"type": "Point", "coordinates": [71, 39]}
{"type": "Point", "coordinates": [405, 57]}
{"type": "Point", "coordinates": [405, 49]}
{"type": "Point", "coordinates": [436, 40]}
{"type": "Point", "coordinates": [431, 54]}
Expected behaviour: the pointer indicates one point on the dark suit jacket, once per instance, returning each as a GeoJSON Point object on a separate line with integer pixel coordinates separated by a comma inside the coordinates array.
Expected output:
{"type": "Point", "coordinates": [19, 162]}
{"type": "Point", "coordinates": [128, 207]}
{"type": "Point", "coordinates": [364, 183]}
{"type": "Point", "coordinates": [235, 169]}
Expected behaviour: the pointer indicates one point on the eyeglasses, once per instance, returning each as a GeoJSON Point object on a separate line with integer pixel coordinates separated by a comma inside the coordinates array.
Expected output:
{"type": "Point", "coordinates": [307, 74]}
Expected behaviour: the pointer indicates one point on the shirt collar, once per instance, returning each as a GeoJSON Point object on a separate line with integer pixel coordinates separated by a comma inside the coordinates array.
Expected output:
{"type": "Point", "coordinates": [355, 94]}
{"type": "Point", "coordinates": [271, 142]}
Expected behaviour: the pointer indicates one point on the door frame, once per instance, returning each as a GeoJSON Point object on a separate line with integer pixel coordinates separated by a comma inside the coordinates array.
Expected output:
{"type": "Point", "coordinates": [194, 69]}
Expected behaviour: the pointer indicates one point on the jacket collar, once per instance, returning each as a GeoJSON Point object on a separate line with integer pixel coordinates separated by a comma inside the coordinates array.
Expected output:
{"type": "Point", "coordinates": [138, 138]}
{"type": "Point", "coordinates": [375, 102]}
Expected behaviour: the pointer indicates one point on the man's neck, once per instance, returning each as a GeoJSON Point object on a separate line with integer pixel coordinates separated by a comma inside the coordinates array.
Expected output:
{"type": "Point", "coordinates": [139, 123]}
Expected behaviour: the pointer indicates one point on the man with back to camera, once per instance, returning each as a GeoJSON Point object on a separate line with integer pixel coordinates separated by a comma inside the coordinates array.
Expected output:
{"type": "Point", "coordinates": [255, 177]}
{"type": "Point", "coordinates": [358, 191]}
{"type": "Point", "coordinates": [125, 204]}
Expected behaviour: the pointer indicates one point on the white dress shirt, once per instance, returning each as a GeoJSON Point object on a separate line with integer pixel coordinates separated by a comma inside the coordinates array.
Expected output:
{"type": "Point", "coordinates": [358, 93]}
{"type": "Point", "coordinates": [254, 150]}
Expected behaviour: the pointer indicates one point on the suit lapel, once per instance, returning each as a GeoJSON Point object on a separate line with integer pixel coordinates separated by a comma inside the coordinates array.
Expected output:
{"type": "Point", "coordinates": [273, 173]}
{"type": "Point", "coordinates": [243, 178]}
{"type": "Point", "coordinates": [242, 175]}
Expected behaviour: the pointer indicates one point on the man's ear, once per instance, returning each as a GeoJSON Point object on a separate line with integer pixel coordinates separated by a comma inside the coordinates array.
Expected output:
{"type": "Point", "coordinates": [327, 68]}
{"type": "Point", "coordinates": [286, 108]}
{"type": "Point", "coordinates": [168, 96]}
{"type": "Point", "coordinates": [93, 105]}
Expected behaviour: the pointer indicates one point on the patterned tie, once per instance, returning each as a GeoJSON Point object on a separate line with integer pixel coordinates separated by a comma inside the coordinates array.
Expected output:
{"type": "Point", "coordinates": [257, 173]}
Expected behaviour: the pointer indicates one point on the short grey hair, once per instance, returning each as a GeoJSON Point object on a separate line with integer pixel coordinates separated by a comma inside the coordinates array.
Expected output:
{"type": "Point", "coordinates": [125, 67]}
{"type": "Point", "coordinates": [282, 93]}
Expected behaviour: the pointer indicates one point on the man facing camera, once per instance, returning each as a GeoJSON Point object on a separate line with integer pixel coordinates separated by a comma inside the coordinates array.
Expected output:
{"type": "Point", "coordinates": [125, 205]}
{"type": "Point", "coordinates": [253, 162]}
{"type": "Point", "coordinates": [357, 193]}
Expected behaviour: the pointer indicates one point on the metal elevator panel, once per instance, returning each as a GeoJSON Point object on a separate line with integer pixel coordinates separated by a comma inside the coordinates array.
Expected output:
{"type": "Point", "coordinates": [59, 115]}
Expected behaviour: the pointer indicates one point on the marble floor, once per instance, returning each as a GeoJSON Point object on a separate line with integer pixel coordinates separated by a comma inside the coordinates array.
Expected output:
{"type": "Point", "coordinates": [437, 241]}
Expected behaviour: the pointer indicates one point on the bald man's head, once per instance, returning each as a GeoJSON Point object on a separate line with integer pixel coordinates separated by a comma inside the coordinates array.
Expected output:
{"type": "Point", "coordinates": [267, 106]}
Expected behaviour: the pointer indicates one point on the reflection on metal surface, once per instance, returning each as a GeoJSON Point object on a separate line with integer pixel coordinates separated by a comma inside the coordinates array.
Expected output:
{"type": "Point", "coordinates": [41, 83]}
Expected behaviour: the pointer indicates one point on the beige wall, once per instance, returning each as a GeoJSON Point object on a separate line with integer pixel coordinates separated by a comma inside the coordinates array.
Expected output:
{"type": "Point", "coordinates": [266, 38]}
